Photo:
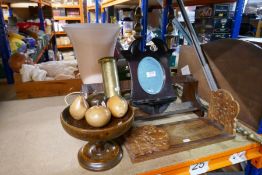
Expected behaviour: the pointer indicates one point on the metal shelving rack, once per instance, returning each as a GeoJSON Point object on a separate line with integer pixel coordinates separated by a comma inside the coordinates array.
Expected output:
{"type": "Point", "coordinates": [165, 4]}
{"type": "Point", "coordinates": [99, 10]}
{"type": "Point", "coordinates": [5, 46]}
{"type": "Point", "coordinates": [79, 18]}
{"type": "Point", "coordinates": [89, 8]}
{"type": "Point", "coordinates": [253, 152]}
{"type": "Point", "coordinates": [238, 18]}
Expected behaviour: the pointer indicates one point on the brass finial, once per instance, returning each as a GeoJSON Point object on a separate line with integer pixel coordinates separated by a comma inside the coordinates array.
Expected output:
{"type": "Point", "coordinates": [170, 27]}
{"type": "Point", "coordinates": [138, 26]}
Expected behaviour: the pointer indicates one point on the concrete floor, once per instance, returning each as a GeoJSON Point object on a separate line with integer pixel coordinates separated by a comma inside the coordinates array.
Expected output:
{"type": "Point", "coordinates": [31, 136]}
{"type": "Point", "coordinates": [7, 92]}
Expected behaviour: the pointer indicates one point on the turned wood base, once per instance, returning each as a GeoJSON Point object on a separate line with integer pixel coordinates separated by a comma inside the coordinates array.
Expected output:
{"type": "Point", "coordinates": [100, 156]}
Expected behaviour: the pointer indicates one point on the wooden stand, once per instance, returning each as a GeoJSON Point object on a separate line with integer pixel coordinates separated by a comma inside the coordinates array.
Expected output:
{"type": "Point", "coordinates": [184, 135]}
{"type": "Point", "coordinates": [100, 153]}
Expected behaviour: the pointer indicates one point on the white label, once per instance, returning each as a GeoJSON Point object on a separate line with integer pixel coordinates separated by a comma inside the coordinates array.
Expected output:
{"type": "Point", "coordinates": [238, 157]}
{"type": "Point", "coordinates": [103, 103]}
{"type": "Point", "coordinates": [186, 140]}
{"type": "Point", "coordinates": [151, 74]}
{"type": "Point", "coordinates": [185, 70]}
{"type": "Point", "coordinates": [199, 168]}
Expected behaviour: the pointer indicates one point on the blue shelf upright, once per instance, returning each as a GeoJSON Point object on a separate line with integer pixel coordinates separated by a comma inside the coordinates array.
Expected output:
{"type": "Point", "coordinates": [252, 170]}
{"type": "Point", "coordinates": [260, 128]}
{"type": "Point", "coordinates": [88, 17]}
{"type": "Point", "coordinates": [5, 49]}
{"type": "Point", "coordinates": [166, 5]}
{"type": "Point", "coordinates": [41, 17]}
{"type": "Point", "coordinates": [103, 15]}
{"type": "Point", "coordinates": [10, 10]}
{"type": "Point", "coordinates": [42, 24]}
{"type": "Point", "coordinates": [254, 167]}
{"type": "Point", "coordinates": [144, 7]}
{"type": "Point", "coordinates": [97, 10]}
{"type": "Point", "coordinates": [238, 18]}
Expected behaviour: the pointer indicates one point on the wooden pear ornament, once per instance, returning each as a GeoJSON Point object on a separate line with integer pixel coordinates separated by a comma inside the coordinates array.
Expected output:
{"type": "Point", "coordinates": [78, 108]}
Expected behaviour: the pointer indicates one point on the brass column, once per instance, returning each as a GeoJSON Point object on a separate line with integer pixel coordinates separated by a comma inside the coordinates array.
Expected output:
{"type": "Point", "coordinates": [110, 76]}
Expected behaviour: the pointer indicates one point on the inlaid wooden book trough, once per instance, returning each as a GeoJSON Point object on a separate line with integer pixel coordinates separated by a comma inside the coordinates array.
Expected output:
{"type": "Point", "coordinates": [149, 142]}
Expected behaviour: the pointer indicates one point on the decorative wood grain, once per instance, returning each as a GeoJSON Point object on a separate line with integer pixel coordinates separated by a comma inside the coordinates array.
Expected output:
{"type": "Point", "coordinates": [223, 109]}
{"type": "Point", "coordinates": [183, 135]}
{"type": "Point", "coordinates": [147, 140]}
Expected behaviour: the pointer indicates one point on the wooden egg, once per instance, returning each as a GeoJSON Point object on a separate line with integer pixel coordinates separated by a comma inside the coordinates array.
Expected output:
{"type": "Point", "coordinates": [118, 106]}
{"type": "Point", "coordinates": [97, 116]}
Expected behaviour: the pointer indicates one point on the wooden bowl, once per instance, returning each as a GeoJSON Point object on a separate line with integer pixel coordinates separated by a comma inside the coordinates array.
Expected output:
{"type": "Point", "coordinates": [100, 153]}
{"type": "Point", "coordinates": [81, 130]}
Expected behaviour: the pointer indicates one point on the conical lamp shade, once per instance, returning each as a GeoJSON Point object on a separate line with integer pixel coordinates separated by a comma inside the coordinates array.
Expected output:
{"type": "Point", "coordinates": [92, 42]}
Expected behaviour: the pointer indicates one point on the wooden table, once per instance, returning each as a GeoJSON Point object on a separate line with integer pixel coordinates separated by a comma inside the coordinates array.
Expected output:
{"type": "Point", "coordinates": [34, 142]}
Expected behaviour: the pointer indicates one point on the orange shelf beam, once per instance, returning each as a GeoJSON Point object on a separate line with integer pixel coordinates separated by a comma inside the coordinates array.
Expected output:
{"type": "Point", "coordinates": [258, 161]}
{"type": "Point", "coordinates": [65, 6]}
{"type": "Point", "coordinates": [37, 1]}
{"type": "Point", "coordinates": [68, 18]}
{"type": "Point", "coordinates": [92, 7]}
{"type": "Point", "coordinates": [65, 46]}
{"type": "Point", "coordinates": [4, 6]}
{"type": "Point", "coordinates": [113, 2]}
{"type": "Point", "coordinates": [81, 11]}
{"type": "Point", "coordinates": [42, 2]}
{"type": "Point", "coordinates": [46, 2]}
{"type": "Point", "coordinates": [215, 161]}
{"type": "Point", "coordinates": [60, 33]}
{"type": "Point", "coordinates": [203, 2]}
{"type": "Point", "coordinates": [186, 2]}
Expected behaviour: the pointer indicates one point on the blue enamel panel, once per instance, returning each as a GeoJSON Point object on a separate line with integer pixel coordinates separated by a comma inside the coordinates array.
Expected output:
{"type": "Point", "coordinates": [151, 75]}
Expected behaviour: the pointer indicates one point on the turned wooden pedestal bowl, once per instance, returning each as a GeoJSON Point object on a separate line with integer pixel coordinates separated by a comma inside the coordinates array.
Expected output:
{"type": "Point", "coordinates": [100, 153]}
